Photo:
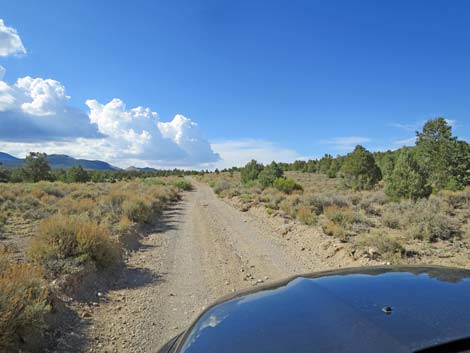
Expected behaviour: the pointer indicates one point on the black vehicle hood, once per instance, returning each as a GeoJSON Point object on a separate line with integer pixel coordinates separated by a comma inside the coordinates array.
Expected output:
{"type": "Point", "coordinates": [340, 311]}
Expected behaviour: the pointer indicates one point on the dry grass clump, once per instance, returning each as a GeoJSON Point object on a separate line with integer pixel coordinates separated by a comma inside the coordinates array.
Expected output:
{"type": "Point", "coordinates": [71, 206]}
{"type": "Point", "coordinates": [68, 237]}
{"type": "Point", "coordinates": [23, 303]}
{"type": "Point", "coordinates": [220, 186]}
{"type": "Point", "coordinates": [456, 199]}
{"type": "Point", "coordinates": [426, 219]}
{"type": "Point", "coordinates": [124, 225]}
{"type": "Point", "coordinates": [393, 214]}
{"type": "Point", "coordinates": [290, 205]}
{"type": "Point", "coordinates": [272, 198]}
{"type": "Point", "coordinates": [372, 202]}
{"type": "Point", "coordinates": [306, 215]}
{"type": "Point", "coordinates": [138, 209]}
{"type": "Point", "coordinates": [319, 202]}
{"type": "Point", "coordinates": [381, 244]}
{"type": "Point", "coordinates": [429, 222]}
{"type": "Point", "coordinates": [339, 215]}
{"type": "Point", "coordinates": [3, 220]}
{"type": "Point", "coordinates": [338, 222]}
{"type": "Point", "coordinates": [183, 184]}
{"type": "Point", "coordinates": [466, 231]}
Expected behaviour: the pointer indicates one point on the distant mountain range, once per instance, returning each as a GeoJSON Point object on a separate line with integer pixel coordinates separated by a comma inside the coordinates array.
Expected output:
{"type": "Point", "coordinates": [144, 169]}
{"type": "Point", "coordinates": [58, 161]}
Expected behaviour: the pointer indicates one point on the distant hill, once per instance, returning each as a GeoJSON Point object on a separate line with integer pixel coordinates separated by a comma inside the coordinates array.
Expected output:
{"type": "Point", "coordinates": [58, 161]}
{"type": "Point", "coordinates": [144, 169]}
{"type": "Point", "coordinates": [10, 161]}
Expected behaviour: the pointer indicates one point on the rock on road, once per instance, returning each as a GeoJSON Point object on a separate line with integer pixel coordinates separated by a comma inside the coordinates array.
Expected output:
{"type": "Point", "coordinates": [202, 249]}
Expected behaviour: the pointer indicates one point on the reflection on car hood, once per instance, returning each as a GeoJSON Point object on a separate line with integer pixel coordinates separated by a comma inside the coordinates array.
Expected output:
{"type": "Point", "coordinates": [358, 310]}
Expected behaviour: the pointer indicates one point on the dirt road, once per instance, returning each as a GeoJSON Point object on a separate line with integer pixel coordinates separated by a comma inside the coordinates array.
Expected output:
{"type": "Point", "coordinates": [202, 249]}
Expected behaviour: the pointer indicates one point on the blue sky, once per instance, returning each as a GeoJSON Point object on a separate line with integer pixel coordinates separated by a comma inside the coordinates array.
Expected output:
{"type": "Point", "coordinates": [260, 78]}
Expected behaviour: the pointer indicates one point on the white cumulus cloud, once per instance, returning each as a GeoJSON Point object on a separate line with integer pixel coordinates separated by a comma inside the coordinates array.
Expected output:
{"type": "Point", "coordinates": [41, 96]}
{"type": "Point", "coordinates": [36, 109]}
{"type": "Point", "coordinates": [10, 41]}
{"type": "Point", "coordinates": [137, 133]}
{"type": "Point", "coordinates": [239, 152]}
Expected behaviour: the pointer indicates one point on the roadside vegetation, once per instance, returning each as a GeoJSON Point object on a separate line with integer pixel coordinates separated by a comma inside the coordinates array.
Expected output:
{"type": "Point", "coordinates": [392, 205]}
{"type": "Point", "coordinates": [52, 231]}
{"type": "Point", "coordinates": [36, 168]}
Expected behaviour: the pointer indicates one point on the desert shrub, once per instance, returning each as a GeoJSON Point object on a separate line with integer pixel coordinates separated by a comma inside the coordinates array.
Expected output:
{"type": "Point", "coordinates": [456, 199]}
{"type": "Point", "coordinates": [3, 219]}
{"type": "Point", "coordinates": [428, 221]}
{"type": "Point", "coordinates": [247, 197]}
{"type": "Point", "coordinates": [183, 184]}
{"type": "Point", "coordinates": [322, 200]}
{"type": "Point", "coordinates": [55, 189]}
{"type": "Point", "coordinates": [286, 185]}
{"type": "Point", "coordinates": [391, 219]}
{"type": "Point", "coordinates": [466, 231]}
{"type": "Point", "coordinates": [272, 198]}
{"type": "Point", "coordinates": [384, 244]}
{"type": "Point", "coordinates": [290, 204]}
{"type": "Point", "coordinates": [333, 229]}
{"type": "Point", "coordinates": [371, 202]}
{"type": "Point", "coordinates": [137, 209]}
{"type": "Point", "coordinates": [38, 193]}
{"type": "Point", "coordinates": [62, 237]}
{"type": "Point", "coordinates": [23, 303]}
{"type": "Point", "coordinates": [306, 215]}
{"type": "Point", "coordinates": [116, 197]}
{"type": "Point", "coordinates": [339, 215]}
{"type": "Point", "coordinates": [220, 186]}
{"type": "Point", "coordinates": [124, 224]}
{"type": "Point", "coordinates": [71, 206]}
{"type": "Point", "coordinates": [348, 220]}
{"type": "Point", "coordinates": [397, 215]}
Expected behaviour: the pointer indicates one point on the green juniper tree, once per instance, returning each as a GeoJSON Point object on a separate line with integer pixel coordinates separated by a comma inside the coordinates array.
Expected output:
{"type": "Point", "coordinates": [270, 173]}
{"type": "Point", "coordinates": [36, 167]}
{"type": "Point", "coordinates": [407, 180]}
{"type": "Point", "coordinates": [78, 175]}
{"type": "Point", "coordinates": [251, 171]}
{"type": "Point", "coordinates": [360, 170]}
{"type": "Point", "coordinates": [435, 146]}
